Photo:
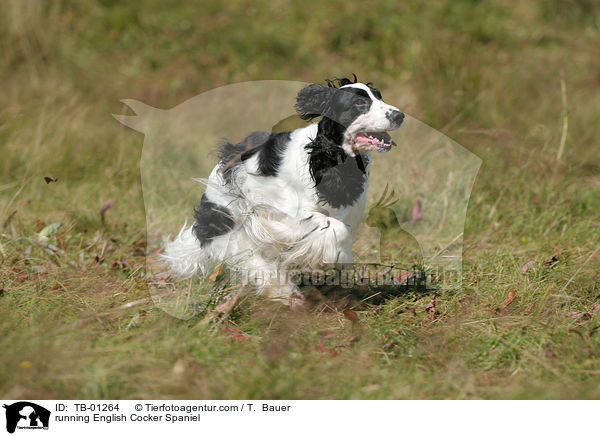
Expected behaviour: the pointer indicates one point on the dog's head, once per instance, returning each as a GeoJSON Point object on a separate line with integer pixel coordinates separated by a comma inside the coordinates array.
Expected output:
{"type": "Point", "coordinates": [354, 115]}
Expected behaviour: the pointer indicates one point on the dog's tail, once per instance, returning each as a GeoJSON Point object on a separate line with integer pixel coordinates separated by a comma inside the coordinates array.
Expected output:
{"type": "Point", "coordinates": [184, 255]}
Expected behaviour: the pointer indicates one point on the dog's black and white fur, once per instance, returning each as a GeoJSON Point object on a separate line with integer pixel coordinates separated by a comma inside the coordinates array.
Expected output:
{"type": "Point", "coordinates": [278, 202]}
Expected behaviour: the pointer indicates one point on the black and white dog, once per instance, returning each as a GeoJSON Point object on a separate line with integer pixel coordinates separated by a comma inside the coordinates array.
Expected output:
{"type": "Point", "coordinates": [281, 202]}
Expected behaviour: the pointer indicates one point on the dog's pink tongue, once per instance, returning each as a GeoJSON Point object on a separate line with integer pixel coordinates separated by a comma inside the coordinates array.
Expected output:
{"type": "Point", "coordinates": [362, 138]}
{"type": "Point", "coordinates": [367, 139]}
{"type": "Point", "coordinates": [375, 138]}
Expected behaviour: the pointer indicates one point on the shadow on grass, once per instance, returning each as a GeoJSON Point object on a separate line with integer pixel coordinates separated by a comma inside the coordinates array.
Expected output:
{"type": "Point", "coordinates": [374, 288]}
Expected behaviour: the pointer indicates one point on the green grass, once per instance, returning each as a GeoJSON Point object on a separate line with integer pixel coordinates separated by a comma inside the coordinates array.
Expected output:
{"type": "Point", "coordinates": [76, 320]}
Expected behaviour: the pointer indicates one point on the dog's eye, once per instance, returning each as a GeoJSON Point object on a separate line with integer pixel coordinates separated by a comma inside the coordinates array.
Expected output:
{"type": "Point", "coordinates": [361, 103]}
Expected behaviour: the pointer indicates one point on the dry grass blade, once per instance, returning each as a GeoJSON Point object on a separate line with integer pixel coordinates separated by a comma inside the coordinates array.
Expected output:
{"type": "Point", "coordinates": [565, 114]}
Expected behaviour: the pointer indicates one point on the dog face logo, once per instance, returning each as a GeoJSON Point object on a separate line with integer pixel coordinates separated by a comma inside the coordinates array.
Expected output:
{"type": "Point", "coordinates": [26, 415]}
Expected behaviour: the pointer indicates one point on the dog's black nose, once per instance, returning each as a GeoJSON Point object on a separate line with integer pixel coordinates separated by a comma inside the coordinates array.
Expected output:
{"type": "Point", "coordinates": [395, 117]}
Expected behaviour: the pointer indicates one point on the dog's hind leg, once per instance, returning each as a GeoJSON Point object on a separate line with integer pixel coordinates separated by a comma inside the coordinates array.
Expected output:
{"type": "Point", "coordinates": [184, 255]}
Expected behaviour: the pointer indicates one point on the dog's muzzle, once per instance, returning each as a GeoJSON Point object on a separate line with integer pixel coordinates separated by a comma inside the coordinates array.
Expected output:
{"type": "Point", "coordinates": [395, 117]}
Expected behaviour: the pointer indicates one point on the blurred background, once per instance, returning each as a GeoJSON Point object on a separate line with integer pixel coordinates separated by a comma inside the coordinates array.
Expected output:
{"type": "Point", "coordinates": [516, 83]}
{"type": "Point", "coordinates": [486, 73]}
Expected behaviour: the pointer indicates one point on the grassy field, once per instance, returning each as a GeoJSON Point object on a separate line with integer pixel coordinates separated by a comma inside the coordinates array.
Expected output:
{"type": "Point", "coordinates": [516, 84]}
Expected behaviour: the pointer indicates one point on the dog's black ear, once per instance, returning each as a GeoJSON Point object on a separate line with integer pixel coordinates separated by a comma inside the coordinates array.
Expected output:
{"type": "Point", "coordinates": [313, 100]}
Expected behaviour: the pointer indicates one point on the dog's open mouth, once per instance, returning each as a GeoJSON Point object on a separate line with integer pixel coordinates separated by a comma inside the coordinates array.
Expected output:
{"type": "Point", "coordinates": [378, 141]}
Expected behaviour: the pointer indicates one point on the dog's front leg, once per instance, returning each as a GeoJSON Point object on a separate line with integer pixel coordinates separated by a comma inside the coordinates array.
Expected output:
{"type": "Point", "coordinates": [327, 241]}
{"type": "Point", "coordinates": [270, 281]}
